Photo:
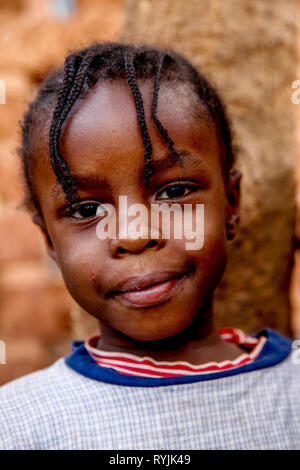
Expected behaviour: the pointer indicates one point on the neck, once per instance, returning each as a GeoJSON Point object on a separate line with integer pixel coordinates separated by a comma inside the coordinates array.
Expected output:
{"type": "Point", "coordinates": [200, 342]}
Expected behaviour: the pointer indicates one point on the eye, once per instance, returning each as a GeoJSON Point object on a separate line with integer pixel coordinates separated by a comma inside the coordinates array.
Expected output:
{"type": "Point", "coordinates": [176, 190]}
{"type": "Point", "coordinates": [87, 210]}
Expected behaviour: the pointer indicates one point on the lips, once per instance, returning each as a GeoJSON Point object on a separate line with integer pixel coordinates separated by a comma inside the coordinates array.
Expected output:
{"type": "Point", "coordinates": [150, 289]}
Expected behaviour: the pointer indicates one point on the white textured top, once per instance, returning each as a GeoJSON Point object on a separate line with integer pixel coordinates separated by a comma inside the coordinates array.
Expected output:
{"type": "Point", "coordinates": [61, 408]}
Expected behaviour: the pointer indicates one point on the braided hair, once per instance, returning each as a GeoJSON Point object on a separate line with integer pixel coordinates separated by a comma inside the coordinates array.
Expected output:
{"type": "Point", "coordinates": [114, 61]}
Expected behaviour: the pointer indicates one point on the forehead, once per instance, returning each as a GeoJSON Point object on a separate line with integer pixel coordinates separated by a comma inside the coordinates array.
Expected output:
{"type": "Point", "coordinates": [102, 133]}
{"type": "Point", "coordinates": [109, 107]}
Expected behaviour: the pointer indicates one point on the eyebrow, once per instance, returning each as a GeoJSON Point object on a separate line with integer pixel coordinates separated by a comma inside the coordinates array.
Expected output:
{"type": "Point", "coordinates": [173, 158]}
{"type": "Point", "coordinates": [87, 182]}
{"type": "Point", "coordinates": [90, 182]}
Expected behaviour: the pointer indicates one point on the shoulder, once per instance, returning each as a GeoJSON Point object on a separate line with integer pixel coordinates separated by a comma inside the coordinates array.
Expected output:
{"type": "Point", "coordinates": [287, 373]}
{"type": "Point", "coordinates": [37, 384]}
{"type": "Point", "coordinates": [278, 362]}
{"type": "Point", "coordinates": [31, 406]}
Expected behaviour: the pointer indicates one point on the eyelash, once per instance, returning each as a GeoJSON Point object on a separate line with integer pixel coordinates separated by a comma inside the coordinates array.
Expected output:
{"type": "Point", "coordinates": [192, 187]}
{"type": "Point", "coordinates": [70, 213]}
{"type": "Point", "coordinates": [80, 206]}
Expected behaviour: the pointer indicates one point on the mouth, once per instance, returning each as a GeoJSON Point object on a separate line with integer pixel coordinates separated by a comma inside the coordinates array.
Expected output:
{"type": "Point", "coordinates": [149, 290]}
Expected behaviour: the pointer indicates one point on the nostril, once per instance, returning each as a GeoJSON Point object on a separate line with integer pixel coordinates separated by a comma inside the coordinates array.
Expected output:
{"type": "Point", "coordinates": [151, 243]}
{"type": "Point", "coordinates": [121, 250]}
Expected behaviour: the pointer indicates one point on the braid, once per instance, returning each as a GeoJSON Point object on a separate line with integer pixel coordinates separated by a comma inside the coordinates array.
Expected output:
{"type": "Point", "coordinates": [163, 132]}
{"type": "Point", "coordinates": [131, 78]}
{"type": "Point", "coordinates": [70, 68]}
{"type": "Point", "coordinates": [59, 166]}
{"type": "Point", "coordinates": [70, 91]}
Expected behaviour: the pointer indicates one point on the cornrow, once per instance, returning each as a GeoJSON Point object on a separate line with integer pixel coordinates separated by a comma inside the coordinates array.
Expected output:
{"type": "Point", "coordinates": [114, 61]}
{"type": "Point", "coordinates": [130, 74]}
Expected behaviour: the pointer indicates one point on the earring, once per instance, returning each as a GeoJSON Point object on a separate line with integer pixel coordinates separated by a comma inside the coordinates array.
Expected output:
{"type": "Point", "coordinates": [230, 230]}
{"type": "Point", "coordinates": [230, 226]}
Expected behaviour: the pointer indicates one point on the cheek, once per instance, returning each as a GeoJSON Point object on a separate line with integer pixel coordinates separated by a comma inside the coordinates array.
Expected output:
{"type": "Point", "coordinates": [79, 258]}
{"type": "Point", "coordinates": [215, 242]}
{"type": "Point", "coordinates": [214, 253]}
{"type": "Point", "coordinates": [205, 245]}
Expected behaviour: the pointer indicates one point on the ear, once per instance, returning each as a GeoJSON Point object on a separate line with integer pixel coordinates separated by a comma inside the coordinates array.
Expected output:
{"type": "Point", "coordinates": [233, 203]}
{"type": "Point", "coordinates": [38, 220]}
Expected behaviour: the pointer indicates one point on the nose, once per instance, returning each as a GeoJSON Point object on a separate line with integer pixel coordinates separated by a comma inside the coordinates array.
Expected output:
{"type": "Point", "coordinates": [136, 238]}
{"type": "Point", "coordinates": [123, 247]}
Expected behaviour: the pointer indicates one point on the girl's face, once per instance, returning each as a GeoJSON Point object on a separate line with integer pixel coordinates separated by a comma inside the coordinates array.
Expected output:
{"type": "Point", "coordinates": [111, 279]}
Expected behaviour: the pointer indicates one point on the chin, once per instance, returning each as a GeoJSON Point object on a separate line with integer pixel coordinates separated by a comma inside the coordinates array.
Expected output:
{"type": "Point", "coordinates": [159, 334]}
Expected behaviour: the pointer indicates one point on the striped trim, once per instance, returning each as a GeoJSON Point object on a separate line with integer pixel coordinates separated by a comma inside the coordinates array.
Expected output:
{"type": "Point", "coordinates": [130, 364]}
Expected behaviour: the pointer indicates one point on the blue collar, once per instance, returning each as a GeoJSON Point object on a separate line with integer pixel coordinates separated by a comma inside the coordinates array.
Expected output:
{"type": "Point", "coordinates": [275, 350]}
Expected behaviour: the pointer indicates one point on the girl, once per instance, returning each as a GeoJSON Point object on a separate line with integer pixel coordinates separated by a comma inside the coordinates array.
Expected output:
{"type": "Point", "coordinates": [143, 123]}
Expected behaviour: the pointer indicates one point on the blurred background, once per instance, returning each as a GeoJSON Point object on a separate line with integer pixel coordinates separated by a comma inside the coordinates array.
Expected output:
{"type": "Point", "coordinates": [251, 52]}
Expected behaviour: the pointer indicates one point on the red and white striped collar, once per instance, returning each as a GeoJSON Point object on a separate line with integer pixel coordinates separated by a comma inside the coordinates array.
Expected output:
{"type": "Point", "coordinates": [131, 364]}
